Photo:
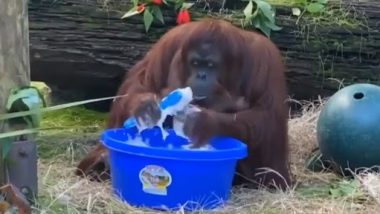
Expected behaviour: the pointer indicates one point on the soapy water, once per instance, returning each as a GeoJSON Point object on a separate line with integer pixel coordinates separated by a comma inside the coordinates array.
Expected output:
{"type": "Point", "coordinates": [180, 118]}
{"type": "Point", "coordinates": [176, 104]}
{"type": "Point", "coordinates": [177, 101]}
{"type": "Point", "coordinates": [139, 141]}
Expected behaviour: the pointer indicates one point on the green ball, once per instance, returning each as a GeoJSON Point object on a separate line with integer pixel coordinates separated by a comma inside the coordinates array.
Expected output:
{"type": "Point", "coordinates": [348, 128]}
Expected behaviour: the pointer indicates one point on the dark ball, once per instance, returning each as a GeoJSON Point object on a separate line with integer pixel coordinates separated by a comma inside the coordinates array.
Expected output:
{"type": "Point", "coordinates": [348, 129]}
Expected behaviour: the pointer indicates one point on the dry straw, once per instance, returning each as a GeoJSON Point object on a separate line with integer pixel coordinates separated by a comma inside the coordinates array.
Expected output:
{"type": "Point", "coordinates": [60, 188]}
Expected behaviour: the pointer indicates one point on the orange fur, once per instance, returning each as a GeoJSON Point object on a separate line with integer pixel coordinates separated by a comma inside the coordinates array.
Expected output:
{"type": "Point", "coordinates": [255, 75]}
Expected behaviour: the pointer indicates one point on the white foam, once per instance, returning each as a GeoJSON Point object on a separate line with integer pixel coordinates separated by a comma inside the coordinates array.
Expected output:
{"type": "Point", "coordinates": [180, 112]}
{"type": "Point", "coordinates": [206, 147]}
{"type": "Point", "coordinates": [141, 125]}
{"type": "Point", "coordinates": [180, 118]}
{"type": "Point", "coordinates": [137, 141]}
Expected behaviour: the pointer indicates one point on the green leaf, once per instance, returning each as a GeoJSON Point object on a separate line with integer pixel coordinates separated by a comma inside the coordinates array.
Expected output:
{"type": "Point", "coordinates": [266, 9]}
{"type": "Point", "coordinates": [132, 12]}
{"type": "Point", "coordinates": [300, 2]}
{"type": "Point", "coordinates": [268, 23]}
{"type": "Point", "coordinates": [247, 21]}
{"type": "Point", "coordinates": [158, 14]}
{"type": "Point", "coordinates": [266, 30]}
{"type": "Point", "coordinates": [256, 23]}
{"type": "Point", "coordinates": [148, 19]}
{"type": "Point", "coordinates": [135, 2]}
{"type": "Point", "coordinates": [266, 26]}
{"type": "Point", "coordinates": [248, 9]}
{"type": "Point", "coordinates": [271, 25]}
{"type": "Point", "coordinates": [175, 1]}
{"type": "Point", "coordinates": [315, 7]}
{"type": "Point", "coordinates": [259, 24]}
{"type": "Point", "coordinates": [186, 6]}
{"type": "Point", "coordinates": [178, 4]}
{"type": "Point", "coordinates": [322, 1]}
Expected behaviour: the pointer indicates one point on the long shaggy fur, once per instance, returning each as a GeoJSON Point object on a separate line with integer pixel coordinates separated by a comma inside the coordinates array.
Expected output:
{"type": "Point", "coordinates": [256, 72]}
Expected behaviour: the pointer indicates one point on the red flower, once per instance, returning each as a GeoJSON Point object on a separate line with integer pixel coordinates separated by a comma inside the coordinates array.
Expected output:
{"type": "Point", "coordinates": [183, 17]}
{"type": "Point", "coordinates": [141, 8]}
{"type": "Point", "coordinates": [158, 2]}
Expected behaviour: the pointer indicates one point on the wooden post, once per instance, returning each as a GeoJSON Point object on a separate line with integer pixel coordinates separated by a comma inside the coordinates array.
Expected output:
{"type": "Point", "coordinates": [14, 56]}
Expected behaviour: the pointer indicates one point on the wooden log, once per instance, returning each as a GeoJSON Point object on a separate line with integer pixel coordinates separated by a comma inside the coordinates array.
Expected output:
{"type": "Point", "coordinates": [78, 46]}
{"type": "Point", "coordinates": [14, 64]}
{"type": "Point", "coordinates": [317, 54]}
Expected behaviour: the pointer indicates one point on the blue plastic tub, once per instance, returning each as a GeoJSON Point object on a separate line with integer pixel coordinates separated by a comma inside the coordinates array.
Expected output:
{"type": "Point", "coordinates": [158, 177]}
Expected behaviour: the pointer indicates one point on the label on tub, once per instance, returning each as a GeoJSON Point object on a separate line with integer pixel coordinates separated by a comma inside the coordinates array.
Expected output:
{"type": "Point", "coordinates": [155, 179]}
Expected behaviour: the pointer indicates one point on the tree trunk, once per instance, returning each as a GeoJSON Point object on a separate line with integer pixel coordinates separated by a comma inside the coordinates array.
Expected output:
{"type": "Point", "coordinates": [81, 48]}
{"type": "Point", "coordinates": [319, 55]}
{"type": "Point", "coordinates": [14, 55]}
